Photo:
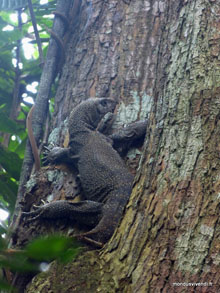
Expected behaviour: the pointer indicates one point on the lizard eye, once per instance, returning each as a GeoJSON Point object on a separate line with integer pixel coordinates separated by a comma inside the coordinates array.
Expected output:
{"type": "Point", "coordinates": [104, 103]}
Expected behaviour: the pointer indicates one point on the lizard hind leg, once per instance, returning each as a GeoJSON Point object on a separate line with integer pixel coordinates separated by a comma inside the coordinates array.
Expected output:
{"type": "Point", "coordinates": [99, 235]}
{"type": "Point", "coordinates": [112, 213]}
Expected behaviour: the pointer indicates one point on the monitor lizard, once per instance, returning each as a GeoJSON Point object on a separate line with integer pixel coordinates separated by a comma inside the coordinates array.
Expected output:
{"type": "Point", "coordinates": [104, 177]}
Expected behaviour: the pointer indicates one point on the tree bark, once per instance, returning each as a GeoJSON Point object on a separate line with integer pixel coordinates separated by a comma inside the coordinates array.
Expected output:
{"type": "Point", "coordinates": [160, 60]}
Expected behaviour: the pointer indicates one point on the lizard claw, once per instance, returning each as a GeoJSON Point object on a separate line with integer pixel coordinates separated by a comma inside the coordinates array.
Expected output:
{"type": "Point", "coordinates": [56, 155]}
{"type": "Point", "coordinates": [47, 148]}
{"type": "Point", "coordinates": [48, 155]}
{"type": "Point", "coordinates": [82, 237]}
{"type": "Point", "coordinates": [34, 215]}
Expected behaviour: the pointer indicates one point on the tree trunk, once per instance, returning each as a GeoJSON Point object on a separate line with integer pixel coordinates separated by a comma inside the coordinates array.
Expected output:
{"type": "Point", "coordinates": [160, 60]}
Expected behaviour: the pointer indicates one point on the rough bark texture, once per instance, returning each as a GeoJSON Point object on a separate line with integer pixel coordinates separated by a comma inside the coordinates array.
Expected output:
{"type": "Point", "coordinates": [160, 59]}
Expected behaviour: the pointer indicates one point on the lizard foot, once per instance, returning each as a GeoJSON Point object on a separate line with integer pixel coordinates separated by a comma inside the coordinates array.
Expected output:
{"type": "Point", "coordinates": [33, 215]}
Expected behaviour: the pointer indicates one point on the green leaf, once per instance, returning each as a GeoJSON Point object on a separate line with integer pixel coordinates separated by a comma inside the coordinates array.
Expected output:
{"type": "Point", "coordinates": [7, 125]}
{"type": "Point", "coordinates": [10, 162]}
{"type": "Point", "coordinates": [4, 96]}
{"type": "Point", "coordinates": [5, 286]}
{"type": "Point", "coordinates": [6, 59]}
{"type": "Point", "coordinates": [3, 243]}
{"type": "Point", "coordinates": [5, 16]}
{"type": "Point", "coordinates": [8, 190]}
{"type": "Point", "coordinates": [45, 22]}
{"type": "Point", "coordinates": [17, 262]}
{"type": "Point", "coordinates": [52, 247]}
{"type": "Point", "coordinates": [19, 150]}
{"type": "Point", "coordinates": [14, 35]}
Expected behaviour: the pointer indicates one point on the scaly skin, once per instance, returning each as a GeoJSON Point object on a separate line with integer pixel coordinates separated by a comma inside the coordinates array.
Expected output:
{"type": "Point", "coordinates": [105, 180]}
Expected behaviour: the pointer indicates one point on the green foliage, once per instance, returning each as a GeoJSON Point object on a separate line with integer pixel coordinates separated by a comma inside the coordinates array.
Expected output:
{"type": "Point", "coordinates": [11, 162]}
{"type": "Point", "coordinates": [44, 249]}
{"type": "Point", "coordinates": [7, 125]}
{"type": "Point", "coordinates": [4, 285]}
{"type": "Point", "coordinates": [17, 72]}
{"type": "Point", "coordinates": [8, 189]}
{"type": "Point", "coordinates": [48, 248]}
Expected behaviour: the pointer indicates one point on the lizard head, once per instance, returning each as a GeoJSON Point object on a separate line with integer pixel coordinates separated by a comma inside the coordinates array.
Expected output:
{"type": "Point", "coordinates": [91, 112]}
{"type": "Point", "coordinates": [99, 108]}
{"type": "Point", "coordinates": [94, 110]}
{"type": "Point", "coordinates": [105, 105]}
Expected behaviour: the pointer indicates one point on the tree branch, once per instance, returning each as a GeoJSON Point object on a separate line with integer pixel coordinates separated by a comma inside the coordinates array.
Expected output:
{"type": "Point", "coordinates": [41, 105]}
{"type": "Point", "coordinates": [34, 23]}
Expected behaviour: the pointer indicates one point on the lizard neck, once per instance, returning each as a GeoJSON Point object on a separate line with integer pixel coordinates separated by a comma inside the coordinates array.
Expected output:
{"type": "Point", "coordinates": [80, 128]}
